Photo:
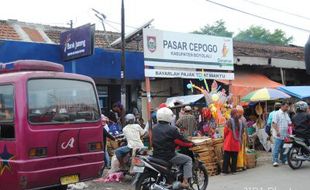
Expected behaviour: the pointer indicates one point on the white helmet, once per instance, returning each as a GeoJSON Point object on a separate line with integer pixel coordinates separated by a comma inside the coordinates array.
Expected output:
{"type": "Point", "coordinates": [130, 118]}
{"type": "Point", "coordinates": [164, 114]}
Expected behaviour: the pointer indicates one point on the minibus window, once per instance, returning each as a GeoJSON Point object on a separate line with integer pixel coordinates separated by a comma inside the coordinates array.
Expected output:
{"type": "Point", "coordinates": [61, 100]}
{"type": "Point", "coordinates": [7, 112]}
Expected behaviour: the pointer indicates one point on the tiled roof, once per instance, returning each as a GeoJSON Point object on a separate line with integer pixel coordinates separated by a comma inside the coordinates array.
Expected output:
{"type": "Point", "coordinates": [266, 50]}
{"type": "Point", "coordinates": [52, 34]}
{"type": "Point", "coordinates": [7, 32]}
{"type": "Point", "coordinates": [100, 40]}
{"type": "Point", "coordinates": [33, 34]}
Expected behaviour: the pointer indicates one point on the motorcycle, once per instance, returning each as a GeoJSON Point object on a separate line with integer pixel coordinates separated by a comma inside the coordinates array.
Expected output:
{"type": "Point", "coordinates": [297, 153]}
{"type": "Point", "coordinates": [127, 159]}
{"type": "Point", "coordinates": [157, 174]}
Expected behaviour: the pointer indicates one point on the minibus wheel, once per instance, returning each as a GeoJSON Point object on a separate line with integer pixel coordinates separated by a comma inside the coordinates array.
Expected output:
{"type": "Point", "coordinates": [60, 187]}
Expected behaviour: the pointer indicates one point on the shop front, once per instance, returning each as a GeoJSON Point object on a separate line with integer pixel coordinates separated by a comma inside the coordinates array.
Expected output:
{"type": "Point", "coordinates": [103, 66]}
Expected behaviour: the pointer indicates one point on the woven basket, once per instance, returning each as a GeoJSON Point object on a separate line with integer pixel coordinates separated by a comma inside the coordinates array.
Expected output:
{"type": "Point", "coordinates": [251, 160]}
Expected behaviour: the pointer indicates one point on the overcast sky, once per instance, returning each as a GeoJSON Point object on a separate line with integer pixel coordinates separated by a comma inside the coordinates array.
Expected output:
{"type": "Point", "coordinates": [171, 15]}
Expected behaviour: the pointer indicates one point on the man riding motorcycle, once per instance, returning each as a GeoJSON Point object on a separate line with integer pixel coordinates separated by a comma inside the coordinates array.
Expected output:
{"type": "Point", "coordinates": [301, 122]}
{"type": "Point", "coordinates": [133, 133]}
{"type": "Point", "coordinates": [164, 138]}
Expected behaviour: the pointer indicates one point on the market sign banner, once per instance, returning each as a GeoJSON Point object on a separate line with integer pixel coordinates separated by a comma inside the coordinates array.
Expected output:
{"type": "Point", "coordinates": [78, 42]}
{"type": "Point", "coordinates": [182, 50]}
{"type": "Point", "coordinates": [189, 74]}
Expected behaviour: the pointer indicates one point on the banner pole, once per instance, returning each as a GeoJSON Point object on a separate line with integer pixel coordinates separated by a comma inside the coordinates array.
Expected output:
{"type": "Point", "coordinates": [148, 108]}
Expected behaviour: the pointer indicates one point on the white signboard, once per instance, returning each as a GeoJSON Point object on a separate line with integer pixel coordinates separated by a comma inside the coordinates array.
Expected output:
{"type": "Point", "coordinates": [160, 73]}
{"type": "Point", "coordinates": [181, 50]}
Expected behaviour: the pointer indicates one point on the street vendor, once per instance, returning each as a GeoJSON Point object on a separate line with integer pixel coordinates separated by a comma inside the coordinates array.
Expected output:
{"type": "Point", "coordinates": [241, 162]}
{"type": "Point", "coordinates": [187, 123]}
{"type": "Point", "coordinates": [232, 141]}
{"type": "Point", "coordinates": [207, 125]}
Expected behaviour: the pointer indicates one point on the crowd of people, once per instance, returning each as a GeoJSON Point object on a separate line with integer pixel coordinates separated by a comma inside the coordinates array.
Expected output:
{"type": "Point", "coordinates": [170, 126]}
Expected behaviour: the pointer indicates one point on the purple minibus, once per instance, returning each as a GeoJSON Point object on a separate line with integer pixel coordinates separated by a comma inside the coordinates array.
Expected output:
{"type": "Point", "coordinates": [50, 128]}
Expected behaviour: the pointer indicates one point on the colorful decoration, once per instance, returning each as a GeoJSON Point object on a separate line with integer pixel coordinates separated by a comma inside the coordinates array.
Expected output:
{"type": "Point", "coordinates": [218, 109]}
{"type": "Point", "coordinates": [5, 157]}
{"type": "Point", "coordinates": [205, 81]}
{"type": "Point", "coordinates": [215, 97]}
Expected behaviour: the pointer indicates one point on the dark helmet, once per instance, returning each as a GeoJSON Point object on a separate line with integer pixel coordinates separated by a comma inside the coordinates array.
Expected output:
{"type": "Point", "coordinates": [301, 106]}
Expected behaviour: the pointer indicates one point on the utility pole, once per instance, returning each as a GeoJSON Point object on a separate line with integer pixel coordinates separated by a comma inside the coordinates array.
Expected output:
{"type": "Point", "coordinates": [73, 63]}
{"type": "Point", "coordinates": [123, 58]}
{"type": "Point", "coordinates": [70, 24]}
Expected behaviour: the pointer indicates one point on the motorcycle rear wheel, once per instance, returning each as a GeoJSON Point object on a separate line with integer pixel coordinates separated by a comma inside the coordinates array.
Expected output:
{"type": "Point", "coordinates": [145, 181]}
{"type": "Point", "coordinates": [293, 162]}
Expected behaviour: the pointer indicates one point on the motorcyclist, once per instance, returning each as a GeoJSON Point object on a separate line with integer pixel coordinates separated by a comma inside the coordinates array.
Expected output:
{"type": "Point", "coordinates": [133, 133]}
{"type": "Point", "coordinates": [301, 122]}
{"type": "Point", "coordinates": [164, 137]}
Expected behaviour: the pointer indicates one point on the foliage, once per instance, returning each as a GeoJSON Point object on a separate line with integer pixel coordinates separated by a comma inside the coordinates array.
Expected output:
{"type": "Point", "coordinates": [217, 29]}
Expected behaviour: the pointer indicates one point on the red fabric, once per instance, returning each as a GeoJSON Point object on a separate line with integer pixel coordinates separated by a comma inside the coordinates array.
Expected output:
{"type": "Point", "coordinates": [182, 143]}
{"type": "Point", "coordinates": [163, 105]}
{"type": "Point", "coordinates": [230, 144]}
{"type": "Point", "coordinates": [245, 83]}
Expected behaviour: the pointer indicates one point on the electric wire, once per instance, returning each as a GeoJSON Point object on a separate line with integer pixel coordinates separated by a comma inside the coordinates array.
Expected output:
{"type": "Point", "coordinates": [254, 15]}
{"type": "Point", "coordinates": [276, 9]}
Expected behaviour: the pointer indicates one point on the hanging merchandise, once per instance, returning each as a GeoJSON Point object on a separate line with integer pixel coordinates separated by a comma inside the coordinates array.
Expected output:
{"type": "Point", "coordinates": [259, 112]}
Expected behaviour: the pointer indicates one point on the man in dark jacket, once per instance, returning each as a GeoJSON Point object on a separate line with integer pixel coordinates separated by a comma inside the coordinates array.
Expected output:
{"type": "Point", "coordinates": [301, 120]}
{"type": "Point", "coordinates": [163, 137]}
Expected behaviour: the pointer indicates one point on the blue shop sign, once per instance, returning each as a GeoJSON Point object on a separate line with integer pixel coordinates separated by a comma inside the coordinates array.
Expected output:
{"type": "Point", "coordinates": [78, 42]}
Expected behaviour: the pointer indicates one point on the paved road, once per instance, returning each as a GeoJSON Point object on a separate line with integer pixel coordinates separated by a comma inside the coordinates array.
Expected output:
{"type": "Point", "coordinates": [263, 177]}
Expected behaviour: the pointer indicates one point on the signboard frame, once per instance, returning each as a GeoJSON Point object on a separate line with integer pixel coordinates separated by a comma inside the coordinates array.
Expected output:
{"type": "Point", "coordinates": [77, 43]}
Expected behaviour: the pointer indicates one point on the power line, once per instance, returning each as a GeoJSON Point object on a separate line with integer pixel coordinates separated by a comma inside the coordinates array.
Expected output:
{"type": "Point", "coordinates": [120, 24]}
{"type": "Point", "coordinates": [112, 27]}
{"type": "Point", "coordinates": [264, 18]}
{"type": "Point", "coordinates": [276, 9]}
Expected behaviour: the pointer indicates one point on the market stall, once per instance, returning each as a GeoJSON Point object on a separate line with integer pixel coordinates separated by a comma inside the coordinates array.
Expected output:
{"type": "Point", "coordinates": [262, 96]}
{"type": "Point", "coordinates": [300, 92]}
{"type": "Point", "coordinates": [183, 100]}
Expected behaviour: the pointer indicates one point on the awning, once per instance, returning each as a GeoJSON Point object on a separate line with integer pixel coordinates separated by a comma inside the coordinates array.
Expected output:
{"type": "Point", "coordinates": [245, 83]}
{"type": "Point", "coordinates": [183, 100]}
{"type": "Point", "coordinates": [300, 92]}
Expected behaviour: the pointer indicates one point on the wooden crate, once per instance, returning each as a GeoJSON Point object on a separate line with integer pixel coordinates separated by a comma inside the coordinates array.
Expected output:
{"type": "Point", "coordinates": [206, 153]}
{"type": "Point", "coordinates": [218, 141]}
{"type": "Point", "coordinates": [218, 149]}
{"type": "Point", "coordinates": [212, 170]}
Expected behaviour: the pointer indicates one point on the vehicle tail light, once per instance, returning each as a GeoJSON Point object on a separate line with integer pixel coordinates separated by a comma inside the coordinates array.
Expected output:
{"type": "Point", "coordinates": [136, 161]}
{"type": "Point", "coordinates": [40, 152]}
{"type": "Point", "coordinates": [95, 146]}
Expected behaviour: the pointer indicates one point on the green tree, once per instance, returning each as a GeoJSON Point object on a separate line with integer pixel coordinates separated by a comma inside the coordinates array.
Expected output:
{"type": "Point", "coordinates": [259, 34]}
{"type": "Point", "coordinates": [217, 29]}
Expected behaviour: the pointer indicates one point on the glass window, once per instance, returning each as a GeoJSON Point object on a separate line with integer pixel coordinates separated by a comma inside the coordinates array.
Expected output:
{"type": "Point", "coordinates": [61, 100]}
{"type": "Point", "coordinates": [7, 112]}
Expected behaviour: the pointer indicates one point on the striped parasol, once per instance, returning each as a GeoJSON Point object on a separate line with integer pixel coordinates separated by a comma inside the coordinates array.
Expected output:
{"type": "Point", "coordinates": [265, 94]}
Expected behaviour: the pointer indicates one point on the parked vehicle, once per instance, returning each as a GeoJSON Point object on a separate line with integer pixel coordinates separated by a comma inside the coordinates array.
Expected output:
{"type": "Point", "coordinates": [297, 152]}
{"type": "Point", "coordinates": [157, 174]}
{"type": "Point", "coordinates": [50, 127]}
